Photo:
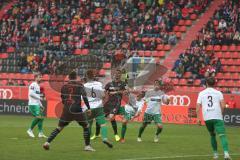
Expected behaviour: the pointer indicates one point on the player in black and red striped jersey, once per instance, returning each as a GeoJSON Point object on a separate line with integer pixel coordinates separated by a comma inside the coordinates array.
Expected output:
{"type": "Point", "coordinates": [71, 94]}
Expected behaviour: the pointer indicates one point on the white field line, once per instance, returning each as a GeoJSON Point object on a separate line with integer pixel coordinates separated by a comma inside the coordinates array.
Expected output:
{"type": "Point", "coordinates": [174, 157]}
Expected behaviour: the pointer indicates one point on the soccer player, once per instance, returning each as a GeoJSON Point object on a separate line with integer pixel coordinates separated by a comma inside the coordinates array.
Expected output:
{"type": "Point", "coordinates": [71, 94]}
{"type": "Point", "coordinates": [132, 108]}
{"type": "Point", "coordinates": [212, 103]}
{"type": "Point", "coordinates": [154, 99]}
{"type": "Point", "coordinates": [35, 106]}
{"type": "Point", "coordinates": [112, 107]}
{"type": "Point", "coordinates": [95, 94]}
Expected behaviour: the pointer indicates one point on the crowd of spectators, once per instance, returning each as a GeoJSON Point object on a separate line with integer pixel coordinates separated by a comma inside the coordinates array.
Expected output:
{"type": "Point", "coordinates": [223, 29]}
{"type": "Point", "coordinates": [64, 26]}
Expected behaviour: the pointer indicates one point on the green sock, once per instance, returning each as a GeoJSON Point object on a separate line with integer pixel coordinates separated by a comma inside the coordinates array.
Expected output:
{"type": "Point", "coordinates": [214, 143]}
{"type": "Point", "coordinates": [141, 129]}
{"type": "Point", "coordinates": [224, 142]}
{"type": "Point", "coordinates": [159, 130]}
{"type": "Point", "coordinates": [40, 125]}
{"type": "Point", "coordinates": [104, 132]}
{"type": "Point", "coordinates": [124, 129]}
{"type": "Point", "coordinates": [34, 123]}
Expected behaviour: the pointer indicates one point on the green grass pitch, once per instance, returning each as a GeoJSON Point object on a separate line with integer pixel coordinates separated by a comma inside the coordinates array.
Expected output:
{"type": "Point", "coordinates": [177, 142]}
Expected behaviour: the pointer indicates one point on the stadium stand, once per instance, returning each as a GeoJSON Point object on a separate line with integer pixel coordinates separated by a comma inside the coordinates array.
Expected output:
{"type": "Point", "coordinates": [215, 52]}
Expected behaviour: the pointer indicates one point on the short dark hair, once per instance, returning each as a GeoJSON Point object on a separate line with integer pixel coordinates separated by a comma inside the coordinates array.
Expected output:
{"type": "Point", "coordinates": [90, 74]}
{"type": "Point", "coordinates": [72, 75]}
{"type": "Point", "coordinates": [36, 75]}
{"type": "Point", "coordinates": [210, 81]}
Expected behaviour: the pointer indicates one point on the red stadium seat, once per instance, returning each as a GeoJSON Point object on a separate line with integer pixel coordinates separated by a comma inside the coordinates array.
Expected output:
{"type": "Point", "coordinates": [182, 82]}
{"type": "Point", "coordinates": [176, 28]}
{"type": "Point", "coordinates": [235, 55]}
{"type": "Point", "coordinates": [209, 48]}
{"type": "Point", "coordinates": [178, 34]}
{"type": "Point", "coordinates": [102, 72]}
{"type": "Point", "coordinates": [224, 48]}
{"type": "Point", "coordinates": [188, 22]}
{"type": "Point", "coordinates": [45, 77]}
{"type": "Point", "coordinates": [85, 51]}
{"type": "Point", "coordinates": [172, 74]}
{"type": "Point", "coordinates": [159, 47]}
{"type": "Point", "coordinates": [141, 53]}
{"type": "Point", "coordinates": [167, 47]}
{"type": "Point", "coordinates": [231, 69]}
{"type": "Point", "coordinates": [217, 48]}
{"type": "Point", "coordinates": [3, 55]}
{"type": "Point", "coordinates": [219, 54]}
{"type": "Point", "coordinates": [187, 74]}
{"type": "Point", "coordinates": [197, 82]}
{"type": "Point", "coordinates": [77, 51]}
{"type": "Point", "coordinates": [227, 76]}
{"type": "Point", "coordinates": [215, 22]}
{"type": "Point", "coordinates": [232, 48]}
{"type": "Point", "coordinates": [183, 29]}
{"type": "Point", "coordinates": [235, 76]}
{"type": "Point", "coordinates": [227, 55]}
{"type": "Point", "coordinates": [175, 81]}
{"type": "Point", "coordinates": [56, 39]}
{"type": "Point", "coordinates": [107, 65]}
{"type": "Point", "coordinates": [237, 48]}
{"type": "Point", "coordinates": [181, 22]}
{"type": "Point", "coordinates": [193, 17]}
{"type": "Point", "coordinates": [147, 53]}
{"type": "Point", "coordinates": [10, 49]}
{"type": "Point", "coordinates": [219, 76]}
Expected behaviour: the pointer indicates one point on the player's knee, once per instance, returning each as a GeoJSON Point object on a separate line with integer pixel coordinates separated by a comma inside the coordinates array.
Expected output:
{"type": "Point", "coordinates": [102, 125]}
{"type": "Point", "coordinates": [60, 128]}
{"type": "Point", "coordinates": [159, 126]}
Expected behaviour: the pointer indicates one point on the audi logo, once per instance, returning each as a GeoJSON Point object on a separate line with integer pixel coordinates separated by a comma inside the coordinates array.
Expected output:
{"type": "Point", "coordinates": [179, 100]}
{"type": "Point", "coordinates": [6, 93]}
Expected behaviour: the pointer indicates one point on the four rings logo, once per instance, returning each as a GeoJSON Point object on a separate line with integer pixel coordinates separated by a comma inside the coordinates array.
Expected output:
{"type": "Point", "coordinates": [179, 100]}
{"type": "Point", "coordinates": [6, 93]}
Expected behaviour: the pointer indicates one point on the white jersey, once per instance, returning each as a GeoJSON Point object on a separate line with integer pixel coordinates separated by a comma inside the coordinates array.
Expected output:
{"type": "Point", "coordinates": [95, 93]}
{"type": "Point", "coordinates": [34, 90]}
{"type": "Point", "coordinates": [210, 100]}
{"type": "Point", "coordinates": [133, 105]}
{"type": "Point", "coordinates": [154, 101]}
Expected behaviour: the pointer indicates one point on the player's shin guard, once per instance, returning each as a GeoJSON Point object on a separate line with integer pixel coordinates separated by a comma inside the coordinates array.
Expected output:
{"type": "Point", "coordinates": [98, 127]}
{"type": "Point", "coordinates": [214, 143]}
{"type": "Point", "coordinates": [54, 133]}
{"type": "Point", "coordinates": [114, 126]}
{"type": "Point", "coordinates": [159, 130]}
{"type": "Point", "coordinates": [86, 136]}
{"type": "Point", "coordinates": [40, 125]}
{"type": "Point", "coordinates": [90, 126]}
{"type": "Point", "coordinates": [34, 123]}
{"type": "Point", "coordinates": [224, 142]}
{"type": "Point", "coordinates": [124, 129]}
{"type": "Point", "coordinates": [104, 132]}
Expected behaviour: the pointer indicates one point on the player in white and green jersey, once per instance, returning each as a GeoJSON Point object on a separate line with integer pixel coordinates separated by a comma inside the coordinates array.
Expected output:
{"type": "Point", "coordinates": [132, 108]}
{"type": "Point", "coordinates": [95, 94]}
{"type": "Point", "coordinates": [154, 98]}
{"type": "Point", "coordinates": [35, 107]}
{"type": "Point", "coordinates": [212, 103]}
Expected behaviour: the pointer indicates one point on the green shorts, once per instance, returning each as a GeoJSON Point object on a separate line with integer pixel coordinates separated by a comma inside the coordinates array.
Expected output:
{"type": "Point", "coordinates": [35, 110]}
{"type": "Point", "coordinates": [128, 116]}
{"type": "Point", "coordinates": [215, 125]}
{"type": "Point", "coordinates": [120, 111]}
{"type": "Point", "coordinates": [98, 114]}
{"type": "Point", "coordinates": [148, 118]}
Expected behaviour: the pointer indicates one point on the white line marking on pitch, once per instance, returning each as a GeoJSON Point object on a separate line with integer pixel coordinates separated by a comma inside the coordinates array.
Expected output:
{"type": "Point", "coordinates": [174, 157]}
{"type": "Point", "coordinates": [14, 138]}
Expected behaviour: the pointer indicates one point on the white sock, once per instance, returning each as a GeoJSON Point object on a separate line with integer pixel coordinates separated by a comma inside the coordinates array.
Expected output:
{"type": "Point", "coordinates": [226, 154]}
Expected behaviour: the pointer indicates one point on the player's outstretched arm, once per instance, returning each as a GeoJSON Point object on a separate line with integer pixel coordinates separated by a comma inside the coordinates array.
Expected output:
{"type": "Point", "coordinates": [222, 104]}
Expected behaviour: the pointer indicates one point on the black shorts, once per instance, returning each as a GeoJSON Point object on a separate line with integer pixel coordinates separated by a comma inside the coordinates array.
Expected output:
{"type": "Point", "coordinates": [67, 117]}
{"type": "Point", "coordinates": [111, 109]}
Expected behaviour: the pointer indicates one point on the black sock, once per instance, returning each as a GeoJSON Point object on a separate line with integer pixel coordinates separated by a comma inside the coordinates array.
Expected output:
{"type": "Point", "coordinates": [86, 135]}
{"type": "Point", "coordinates": [114, 126]}
{"type": "Point", "coordinates": [98, 127]}
{"type": "Point", "coordinates": [141, 129]}
{"type": "Point", "coordinates": [159, 130]}
{"type": "Point", "coordinates": [54, 133]}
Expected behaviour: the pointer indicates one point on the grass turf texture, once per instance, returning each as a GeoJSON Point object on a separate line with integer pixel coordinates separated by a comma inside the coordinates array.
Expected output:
{"type": "Point", "coordinates": [175, 140]}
